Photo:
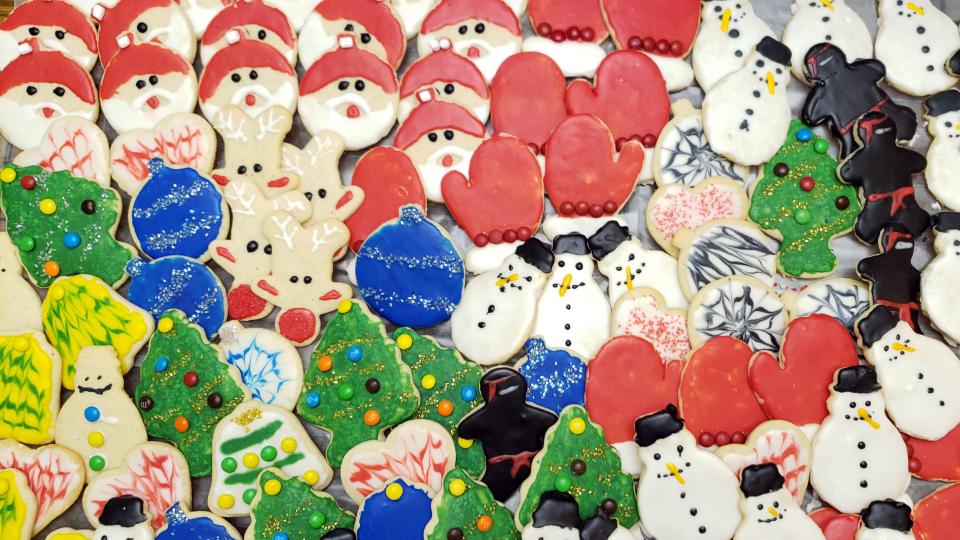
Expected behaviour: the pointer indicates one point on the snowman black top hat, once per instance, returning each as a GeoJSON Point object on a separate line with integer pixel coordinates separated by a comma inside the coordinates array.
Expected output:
{"type": "Point", "coordinates": [574, 243]}
{"type": "Point", "coordinates": [557, 509]}
{"type": "Point", "coordinates": [756, 480]}
{"type": "Point", "coordinates": [123, 511]}
{"type": "Point", "coordinates": [888, 514]}
{"type": "Point", "coordinates": [943, 102]}
{"type": "Point", "coordinates": [536, 253]}
{"type": "Point", "coordinates": [946, 221]}
{"type": "Point", "coordinates": [774, 50]}
{"type": "Point", "coordinates": [608, 238]}
{"type": "Point", "coordinates": [655, 426]}
{"type": "Point", "coordinates": [857, 380]}
{"type": "Point", "coordinates": [598, 527]}
{"type": "Point", "coordinates": [339, 534]}
{"type": "Point", "coordinates": [875, 325]}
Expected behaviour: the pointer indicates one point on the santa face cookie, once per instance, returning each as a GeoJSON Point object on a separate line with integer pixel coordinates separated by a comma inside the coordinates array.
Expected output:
{"type": "Point", "coordinates": [39, 87]}
{"type": "Point", "coordinates": [351, 92]}
{"type": "Point", "coordinates": [769, 511]}
{"type": "Point", "coordinates": [886, 520]}
{"type": "Point", "coordinates": [450, 77]}
{"type": "Point", "coordinates": [570, 32]}
{"type": "Point", "coordinates": [825, 21]}
{"type": "Point", "coordinates": [124, 518]}
{"type": "Point", "coordinates": [56, 25]}
{"type": "Point", "coordinates": [729, 29]}
{"type": "Point", "coordinates": [747, 113]}
{"type": "Point", "coordinates": [144, 84]}
{"type": "Point", "coordinates": [942, 113]}
{"type": "Point", "coordinates": [144, 21]}
{"type": "Point", "coordinates": [411, 14]}
{"type": "Point", "coordinates": [487, 32]}
{"type": "Point", "coordinates": [254, 19]}
{"type": "Point", "coordinates": [915, 42]}
{"type": "Point", "coordinates": [371, 23]}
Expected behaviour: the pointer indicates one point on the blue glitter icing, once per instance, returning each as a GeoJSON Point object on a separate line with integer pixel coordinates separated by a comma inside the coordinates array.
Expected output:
{"type": "Point", "coordinates": [409, 272]}
{"type": "Point", "coordinates": [402, 519]}
{"type": "Point", "coordinates": [177, 212]}
{"type": "Point", "coordinates": [555, 377]}
{"type": "Point", "coordinates": [260, 371]}
{"type": "Point", "coordinates": [180, 526]}
{"type": "Point", "coordinates": [179, 283]}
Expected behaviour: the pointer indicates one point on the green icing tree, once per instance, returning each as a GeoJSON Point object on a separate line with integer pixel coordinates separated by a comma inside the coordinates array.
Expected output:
{"type": "Point", "coordinates": [577, 459]}
{"type": "Point", "coordinates": [356, 385]}
{"type": "Point", "coordinates": [448, 390]}
{"type": "Point", "coordinates": [462, 504]}
{"type": "Point", "coordinates": [63, 226]}
{"type": "Point", "coordinates": [288, 505]}
{"type": "Point", "coordinates": [186, 388]}
{"type": "Point", "coordinates": [801, 201]}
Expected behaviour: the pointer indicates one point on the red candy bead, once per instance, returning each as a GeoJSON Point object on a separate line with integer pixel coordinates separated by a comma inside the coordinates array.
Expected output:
{"type": "Point", "coordinates": [191, 378]}
{"type": "Point", "coordinates": [523, 234]}
{"type": "Point", "coordinates": [582, 208]}
{"type": "Point", "coordinates": [596, 210]}
{"type": "Point", "coordinates": [914, 465]}
{"type": "Point", "coordinates": [722, 438]}
{"type": "Point", "coordinates": [544, 29]}
{"type": "Point", "coordinates": [481, 240]}
{"type": "Point", "coordinates": [663, 46]}
{"type": "Point", "coordinates": [609, 207]}
{"type": "Point", "coordinates": [634, 43]}
{"type": "Point", "coordinates": [28, 183]}
{"type": "Point", "coordinates": [807, 183]}
{"type": "Point", "coordinates": [566, 208]}
{"type": "Point", "coordinates": [649, 44]}
{"type": "Point", "coordinates": [620, 142]}
{"type": "Point", "coordinates": [706, 439]}
{"type": "Point", "coordinates": [573, 33]}
{"type": "Point", "coordinates": [510, 236]}
{"type": "Point", "coordinates": [543, 149]}
{"type": "Point", "coordinates": [558, 35]}
{"type": "Point", "coordinates": [587, 34]}
{"type": "Point", "coordinates": [676, 48]}
{"type": "Point", "coordinates": [495, 236]}
{"type": "Point", "coordinates": [649, 140]}
{"type": "Point", "coordinates": [738, 438]}
{"type": "Point", "coordinates": [534, 148]}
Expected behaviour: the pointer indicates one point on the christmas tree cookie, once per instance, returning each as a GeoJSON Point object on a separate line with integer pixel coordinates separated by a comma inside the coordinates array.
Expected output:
{"type": "Point", "coordinates": [18, 507]}
{"type": "Point", "coordinates": [186, 388]}
{"type": "Point", "coordinates": [465, 508]}
{"type": "Point", "coordinates": [62, 225]}
{"type": "Point", "coordinates": [800, 201]}
{"type": "Point", "coordinates": [356, 385]}
{"type": "Point", "coordinates": [576, 459]}
{"type": "Point", "coordinates": [30, 400]}
{"type": "Point", "coordinates": [83, 311]}
{"type": "Point", "coordinates": [287, 508]}
{"type": "Point", "coordinates": [448, 390]}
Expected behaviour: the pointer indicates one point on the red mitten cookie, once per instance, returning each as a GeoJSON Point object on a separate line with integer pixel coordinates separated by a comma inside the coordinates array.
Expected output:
{"type": "Point", "coordinates": [796, 388]}
{"type": "Point", "coordinates": [715, 398]}
{"type": "Point", "coordinates": [526, 98]}
{"type": "Point", "coordinates": [663, 27]}
{"type": "Point", "coordinates": [836, 526]}
{"type": "Point", "coordinates": [935, 460]}
{"type": "Point", "coordinates": [935, 516]}
{"type": "Point", "coordinates": [570, 32]}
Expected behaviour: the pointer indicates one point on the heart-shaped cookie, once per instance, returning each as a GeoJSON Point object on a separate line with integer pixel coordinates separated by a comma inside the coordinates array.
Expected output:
{"type": "Point", "coordinates": [676, 207]}
{"type": "Point", "coordinates": [777, 442]}
{"type": "Point", "coordinates": [935, 460]}
{"type": "Point", "coordinates": [642, 312]}
{"type": "Point", "coordinates": [526, 98]}
{"type": "Point", "coordinates": [935, 516]}
{"type": "Point", "coordinates": [72, 144]}
{"type": "Point", "coordinates": [54, 473]}
{"type": "Point", "coordinates": [796, 387]}
{"type": "Point", "coordinates": [836, 526]}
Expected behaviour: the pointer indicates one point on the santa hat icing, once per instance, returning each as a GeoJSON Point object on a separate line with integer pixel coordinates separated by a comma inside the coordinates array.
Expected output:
{"type": "Point", "coordinates": [117, 20]}
{"type": "Point", "coordinates": [433, 115]}
{"type": "Point", "coordinates": [53, 13]}
{"type": "Point", "coordinates": [443, 65]}
{"type": "Point", "coordinates": [451, 12]}
{"type": "Point", "coordinates": [376, 17]}
{"type": "Point", "coordinates": [246, 12]}
{"type": "Point", "coordinates": [242, 53]}
{"type": "Point", "coordinates": [36, 66]}
{"type": "Point", "coordinates": [348, 62]}
{"type": "Point", "coordinates": [137, 61]}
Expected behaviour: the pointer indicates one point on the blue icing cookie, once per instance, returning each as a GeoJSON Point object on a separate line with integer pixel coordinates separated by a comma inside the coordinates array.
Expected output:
{"type": "Point", "coordinates": [179, 283]}
{"type": "Point", "coordinates": [555, 377]}
{"type": "Point", "coordinates": [177, 212]}
{"type": "Point", "coordinates": [400, 511]}
{"type": "Point", "coordinates": [180, 526]}
{"type": "Point", "coordinates": [409, 271]}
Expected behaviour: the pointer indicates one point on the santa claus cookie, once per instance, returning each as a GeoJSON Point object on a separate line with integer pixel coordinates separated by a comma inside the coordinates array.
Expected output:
{"type": "Point", "coordinates": [318, 166]}
{"type": "Point", "coordinates": [440, 138]}
{"type": "Point", "coordinates": [143, 84]}
{"type": "Point", "coordinates": [739, 306]}
{"type": "Point", "coordinates": [249, 74]}
{"type": "Point", "coordinates": [351, 92]}
{"type": "Point", "coordinates": [487, 32]}
{"type": "Point", "coordinates": [253, 149]}
{"type": "Point", "coordinates": [729, 29]}
{"type": "Point", "coordinates": [936, 287]}
{"type": "Point", "coordinates": [675, 207]}
{"type": "Point", "coordinates": [450, 77]}
{"type": "Point", "coordinates": [915, 42]}
{"type": "Point", "coordinates": [72, 144]}
{"type": "Point", "coordinates": [256, 20]}
{"type": "Point", "coordinates": [501, 203]}
{"type": "Point", "coordinates": [527, 99]}
{"type": "Point", "coordinates": [39, 87]}
{"type": "Point", "coordinates": [834, 22]}
{"type": "Point", "coordinates": [663, 29]}
{"type": "Point", "coordinates": [55, 25]}
{"type": "Point", "coordinates": [162, 22]}
{"type": "Point", "coordinates": [411, 14]}
{"type": "Point", "coordinates": [778, 443]}
{"type": "Point", "coordinates": [570, 32]}
{"type": "Point", "coordinates": [942, 113]}
{"type": "Point", "coordinates": [371, 23]}
{"type": "Point", "coordinates": [642, 312]}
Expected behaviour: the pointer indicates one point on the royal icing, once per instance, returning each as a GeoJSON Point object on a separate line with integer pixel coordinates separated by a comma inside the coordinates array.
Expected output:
{"type": "Point", "coordinates": [270, 367]}
{"type": "Point", "coordinates": [675, 207]}
{"type": "Point", "coordinates": [933, 460]}
{"type": "Point", "coordinates": [411, 14]}
{"type": "Point", "coordinates": [814, 22]}
{"type": "Point", "coordinates": [936, 287]}
{"type": "Point", "coordinates": [527, 99]}
{"type": "Point", "coordinates": [915, 41]}
{"type": "Point", "coordinates": [54, 473]}
{"type": "Point", "coordinates": [934, 513]}
{"type": "Point", "coordinates": [776, 442]}
{"type": "Point", "coordinates": [15, 291]}
{"type": "Point", "coordinates": [721, 249]}
{"type": "Point", "coordinates": [769, 509]}
{"type": "Point", "coordinates": [642, 312]}
{"type": "Point", "coordinates": [450, 77]}
{"type": "Point", "coordinates": [942, 113]}
{"type": "Point", "coordinates": [570, 33]}
{"type": "Point", "coordinates": [467, 507]}
{"type": "Point", "coordinates": [843, 299]}
{"type": "Point", "coordinates": [886, 520]}
{"type": "Point", "coordinates": [894, 282]}
{"type": "Point", "coordinates": [555, 377]}
{"type": "Point", "coordinates": [253, 149]}
{"type": "Point", "coordinates": [19, 504]}
{"type": "Point", "coordinates": [56, 25]}
{"type": "Point", "coordinates": [290, 507]}
{"type": "Point", "coordinates": [181, 523]}
{"type": "Point", "coordinates": [31, 404]}
{"type": "Point", "coordinates": [257, 20]}
{"type": "Point", "coordinates": [318, 165]}
{"type": "Point", "coordinates": [741, 307]}
{"type": "Point", "coordinates": [400, 511]}
{"type": "Point", "coordinates": [557, 517]}
{"type": "Point", "coordinates": [728, 31]}
{"type": "Point", "coordinates": [162, 22]}
{"type": "Point", "coordinates": [123, 516]}
{"type": "Point", "coordinates": [73, 144]}
{"type": "Point", "coordinates": [836, 526]}
{"type": "Point", "coordinates": [372, 24]}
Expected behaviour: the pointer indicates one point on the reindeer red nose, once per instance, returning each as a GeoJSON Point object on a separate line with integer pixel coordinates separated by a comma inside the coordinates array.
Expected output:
{"type": "Point", "coordinates": [473, 52]}
{"type": "Point", "coordinates": [353, 111]}
{"type": "Point", "coordinates": [250, 100]}
{"type": "Point", "coordinates": [153, 102]}
{"type": "Point", "coordinates": [447, 161]}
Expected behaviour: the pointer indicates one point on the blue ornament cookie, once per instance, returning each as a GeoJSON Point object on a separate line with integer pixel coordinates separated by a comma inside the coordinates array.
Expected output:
{"type": "Point", "coordinates": [400, 511]}
{"type": "Point", "coordinates": [195, 525]}
{"type": "Point", "coordinates": [555, 377]}
{"type": "Point", "coordinates": [409, 271]}
{"type": "Point", "coordinates": [179, 283]}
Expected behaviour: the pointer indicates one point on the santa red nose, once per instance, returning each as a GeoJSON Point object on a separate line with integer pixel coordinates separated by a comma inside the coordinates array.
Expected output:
{"type": "Point", "coordinates": [153, 102]}
{"type": "Point", "coordinates": [47, 112]}
{"type": "Point", "coordinates": [353, 111]}
{"type": "Point", "coordinates": [447, 161]}
{"type": "Point", "coordinates": [473, 52]}
{"type": "Point", "coordinates": [250, 100]}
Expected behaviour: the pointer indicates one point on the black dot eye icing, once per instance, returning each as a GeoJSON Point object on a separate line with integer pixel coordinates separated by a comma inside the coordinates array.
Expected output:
{"type": "Point", "coordinates": [142, 27]}
{"type": "Point", "coordinates": [343, 85]}
{"type": "Point", "coordinates": [262, 34]}
{"type": "Point", "coordinates": [359, 85]}
{"type": "Point", "coordinates": [59, 91]}
{"type": "Point", "coordinates": [236, 77]}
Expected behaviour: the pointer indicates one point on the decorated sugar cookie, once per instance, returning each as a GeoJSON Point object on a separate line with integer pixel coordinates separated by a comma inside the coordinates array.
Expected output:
{"type": "Point", "coordinates": [643, 312]}
{"type": "Point", "coordinates": [82, 311]}
{"type": "Point", "coordinates": [934, 513]}
{"type": "Point", "coordinates": [500, 204]}
{"type": "Point", "coordinates": [16, 291]}
{"type": "Point", "coordinates": [487, 32]}
{"type": "Point", "coordinates": [746, 115]}
{"type": "Point", "coordinates": [933, 460]}
{"type": "Point", "coordinates": [467, 507]}
{"type": "Point", "coordinates": [200, 13]}
{"type": "Point", "coordinates": [857, 431]}
{"type": "Point", "coordinates": [145, 83]}
{"type": "Point", "coordinates": [721, 249]}
{"type": "Point", "coordinates": [843, 299]}
{"type": "Point", "coordinates": [558, 517]}
{"type": "Point", "coordinates": [351, 92]}
{"type": "Point", "coordinates": [502, 302]}
{"type": "Point", "coordinates": [935, 287]}
{"type": "Point", "coordinates": [55, 475]}
{"type": "Point", "coordinates": [372, 25]}
{"type": "Point", "coordinates": [685, 492]}
{"type": "Point", "coordinates": [73, 144]}
{"type": "Point", "coordinates": [288, 506]}
{"type": "Point", "coordinates": [269, 365]}
{"type": "Point", "coordinates": [257, 20]}
{"type": "Point", "coordinates": [527, 99]}
{"type": "Point", "coordinates": [886, 519]}
{"type": "Point", "coordinates": [915, 41]}
{"type": "Point", "coordinates": [179, 283]}
{"type": "Point", "coordinates": [570, 33]}
{"type": "Point", "coordinates": [31, 369]}
{"type": "Point", "coordinates": [39, 87]}
{"type": "Point", "coordinates": [894, 282]}
{"type": "Point", "coordinates": [675, 207]}
{"type": "Point", "coordinates": [70, 534]}
{"type": "Point", "coordinates": [942, 113]}
{"type": "Point", "coordinates": [795, 388]}
{"type": "Point", "coordinates": [740, 306]}
{"type": "Point", "coordinates": [769, 509]}
{"type": "Point", "coordinates": [143, 21]}
{"type": "Point", "coordinates": [451, 77]}
{"type": "Point", "coordinates": [818, 22]}
{"type": "Point", "coordinates": [410, 272]}
{"type": "Point", "coordinates": [411, 14]}
{"type": "Point", "coordinates": [835, 525]}
{"type": "Point", "coordinates": [400, 510]}
{"type": "Point", "coordinates": [182, 523]}
{"type": "Point", "coordinates": [19, 504]}
{"type": "Point", "coordinates": [318, 166]}
{"type": "Point", "coordinates": [124, 516]}
{"type": "Point", "coordinates": [555, 377]}
{"type": "Point", "coordinates": [778, 443]}
{"type": "Point", "coordinates": [56, 25]}
{"type": "Point", "coordinates": [249, 74]}
{"type": "Point", "coordinates": [728, 32]}
{"type": "Point", "coordinates": [253, 149]}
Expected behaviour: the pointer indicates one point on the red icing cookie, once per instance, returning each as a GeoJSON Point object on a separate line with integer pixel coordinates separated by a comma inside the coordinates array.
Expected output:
{"type": "Point", "coordinates": [527, 98]}
{"type": "Point", "coordinates": [715, 399]}
{"type": "Point", "coordinates": [144, 21]}
{"type": "Point", "coordinates": [936, 460]}
{"type": "Point", "coordinates": [813, 349]}
{"type": "Point", "coordinates": [664, 27]}
{"type": "Point", "coordinates": [567, 20]}
{"type": "Point", "coordinates": [836, 526]}
{"type": "Point", "coordinates": [584, 174]}
{"type": "Point", "coordinates": [382, 198]}
{"type": "Point", "coordinates": [621, 366]}
{"type": "Point", "coordinates": [43, 19]}
{"type": "Point", "coordinates": [935, 516]}
{"type": "Point", "coordinates": [373, 18]}
{"type": "Point", "coordinates": [258, 20]}
{"type": "Point", "coordinates": [452, 77]}
{"type": "Point", "coordinates": [628, 94]}
{"type": "Point", "coordinates": [502, 201]}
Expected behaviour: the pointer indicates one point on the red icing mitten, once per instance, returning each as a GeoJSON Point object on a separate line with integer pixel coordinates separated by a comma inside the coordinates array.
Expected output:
{"type": "Point", "coordinates": [526, 98]}
{"type": "Point", "coordinates": [628, 94]}
{"type": "Point", "coordinates": [584, 175]}
{"type": "Point", "coordinates": [389, 180]}
{"type": "Point", "coordinates": [836, 526]}
{"type": "Point", "coordinates": [935, 460]}
{"type": "Point", "coordinates": [662, 27]}
{"type": "Point", "coordinates": [935, 516]}
{"type": "Point", "coordinates": [715, 399]}
{"type": "Point", "coordinates": [796, 388]}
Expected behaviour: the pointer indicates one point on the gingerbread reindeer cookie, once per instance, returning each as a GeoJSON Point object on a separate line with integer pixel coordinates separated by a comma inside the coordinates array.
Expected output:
{"type": "Point", "coordinates": [318, 165]}
{"type": "Point", "coordinates": [253, 149]}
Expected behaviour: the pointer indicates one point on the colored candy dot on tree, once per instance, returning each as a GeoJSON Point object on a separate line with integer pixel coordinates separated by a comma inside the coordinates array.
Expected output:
{"type": "Point", "coordinates": [464, 508]}
{"type": "Point", "coordinates": [272, 487]}
{"type": "Point", "coordinates": [428, 382]}
{"type": "Point", "coordinates": [8, 175]}
{"type": "Point", "coordinates": [165, 325]}
{"type": "Point", "coordinates": [577, 426]}
{"type": "Point", "coordinates": [325, 363]}
{"type": "Point", "coordinates": [71, 240]}
{"type": "Point", "coordinates": [354, 353]}
{"type": "Point", "coordinates": [345, 392]}
{"type": "Point", "coordinates": [281, 536]}
{"type": "Point", "coordinates": [181, 424]}
{"type": "Point", "coordinates": [371, 418]}
{"type": "Point", "coordinates": [445, 408]}
{"type": "Point", "coordinates": [162, 364]}
{"type": "Point", "coordinates": [458, 487]}
{"type": "Point", "coordinates": [48, 206]}
{"type": "Point", "coordinates": [562, 483]}
{"type": "Point", "coordinates": [316, 520]}
{"type": "Point", "coordinates": [295, 511]}
{"type": "Point", "coordinates": [484, 524]}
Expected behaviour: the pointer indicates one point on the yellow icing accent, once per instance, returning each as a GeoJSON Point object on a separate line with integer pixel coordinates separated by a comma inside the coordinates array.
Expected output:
{"type": "Point", "coordinates": [629, 279]}
{"type": "Point", "coordinates": [565, 284]}
{"type": "Point", "coordinates": [725, 20]}
{"type": "Point", "coordinates": [165, 325]}
{"type": "Point", "coordinates": [394, 491]}
{"type": "Point", "coordinates": [311, 477]}
{"type": "Point", "coordinates": [8, 175]}
{"type": "Point", "coordinates": [464, 443]}
{"type": "Point", "coordinates": [95, 439]}
{"type": "Point", "coordinates": [773, 511]}
{"type": "Point", "coordinates": [68, 536]}
{"type": "Point", "coordinates": [288, 445]}
{"type": "Point", "coordinates": [897, 346]}
{"type": "Point", "coordinates": [30, 391]}
{"type": "Point", "coordinates": [577, 426]}
{"type": "Point", "coordinates": [428, 381]}
{"type": "Point", "coordinates": [225, 501]}
{"type": "Point", "coordinates": [458, 487]}
{"type": "Point", "coordinates": [864, 415]}
{"type": "Point", "coordinates": [272, 487]}
{"type": "Point", "coordinates": [771, 83]}
{"type": "Point", "coordinates": [676, 473]}
{"type": "Point", "coordinates": [345, 306]}
{"type": "Point", "coordinates": [828, 3]}
{"type": "Point", "coordinates": [48, 206]}
{"type": "Point", "coordinates": [404, 341]}
{"type": "Point", "coordinates": [15, 516]}
{"type": "Point", "coordinates": [509, 279]}
{"type": "Point", "coordinates": [915, 8]}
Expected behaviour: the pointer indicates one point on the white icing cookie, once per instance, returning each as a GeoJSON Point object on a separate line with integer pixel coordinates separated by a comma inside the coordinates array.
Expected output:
{"type": "Point", "coordinates": [21, 303]}
{"type": "Point", "coordinates": [778, 442]}
{"type": "Point", "coordinates": [825, 21]}
{"type": "Point", "coordinates": [268, 364]}
{"type": "Point", "coordinates": [843, 299]}
{"type": "Point", "coordinates": [915, 42]}
{"type": "Point", "coordinates": [768, 508]}
{"type": "Point", "coordinates": [411, 14]}
{"type": "Point", "coordinates": [938, 284]}
{"type": "Point", "coordinates": [72, 144]}
{"type": "Point", "coordinates": [642, 312]}
{"type": "Point", "coordinates": [722, 249]}
{"type": "Point", "coordinates": [739, 306]}
{"type": "Point", "coordinates": [729, 30]}
{"type": "Point", "coordinates": [942, 113]}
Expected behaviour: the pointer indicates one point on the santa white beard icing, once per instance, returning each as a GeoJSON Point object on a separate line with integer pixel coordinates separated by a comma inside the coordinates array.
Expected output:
{"type": "Point", "coordinates": [769, 510]}
{"type": "Point", "coordinates": [371, 23]}
{"type": "Point", "coordinates": [886, 520]}
{"type": "Point", "coordinates": [162, 22]}
{"type": "Point", "coordinates": [449, 77]}
{"type": "Point", "coordinates": [58, 26]}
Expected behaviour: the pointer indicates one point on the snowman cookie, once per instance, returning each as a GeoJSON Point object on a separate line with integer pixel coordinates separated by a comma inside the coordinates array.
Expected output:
{"type": "Point", "coordinates": [729, 29]}
{"type": "Point", "coordinates": [675, 207]}
{"type": "Point", "coordinates": [124, 517]}
{"type": "Point", "coordinates": [936, 288]}
{"type": "Point", "coordinates": [55, 25]}
{"type": "Point", "coordinates": [820, 21]}
{"type": "Point", "coordinates": [372, 24]}
{"type": "Point", "coordinates": [886, 520]}
{"type": "Point", "coordinates": [721, 249]}
{"type": "Point", "coordinates": [740, 306]}
{"type": "Point", "coordinates": [16, 291]}
{"type": "Point", "coordinates": [569, 32]}
{"type": "Point", "coordinates": [451, 77]}
{"type": "Point", "coordinates": [144, 21]}
{"type": "Point", "coordinates": [769, 510]}
{"type": "Point", "coordinates": [915, 42]}
{"type": "Point", "coordinates": [73, 144]}
{"type": "Point", "coordinates": [942, 113]}
{"type": "Point", "coordinates": [256, 20]}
